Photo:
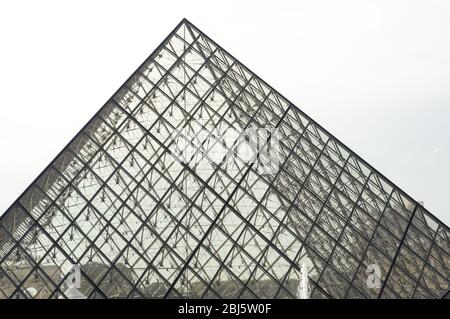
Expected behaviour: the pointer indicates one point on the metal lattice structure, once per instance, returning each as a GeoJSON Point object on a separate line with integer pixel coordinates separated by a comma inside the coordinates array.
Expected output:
{"type": "Point", "coordinates": [142, 224]}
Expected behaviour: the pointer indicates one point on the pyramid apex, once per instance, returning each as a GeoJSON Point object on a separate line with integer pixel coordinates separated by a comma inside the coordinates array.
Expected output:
{"type": "Point", "coordinates": [185, 20]}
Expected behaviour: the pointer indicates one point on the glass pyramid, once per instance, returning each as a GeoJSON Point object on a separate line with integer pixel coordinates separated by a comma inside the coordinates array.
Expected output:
{"type": "Point", "coordinates": [117, 214]}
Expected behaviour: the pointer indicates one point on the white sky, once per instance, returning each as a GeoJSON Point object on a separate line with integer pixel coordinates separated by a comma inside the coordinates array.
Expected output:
{"type": "Point", "coordinates": [376, 74]}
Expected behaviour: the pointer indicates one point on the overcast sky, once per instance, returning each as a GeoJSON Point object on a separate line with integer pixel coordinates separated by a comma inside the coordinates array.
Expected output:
{"type": "Point", "coordinates": [376, 74]}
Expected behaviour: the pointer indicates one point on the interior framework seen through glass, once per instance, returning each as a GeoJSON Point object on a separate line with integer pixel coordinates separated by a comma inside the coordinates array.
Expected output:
{"type": "Point", "coordinates": [141, 223]}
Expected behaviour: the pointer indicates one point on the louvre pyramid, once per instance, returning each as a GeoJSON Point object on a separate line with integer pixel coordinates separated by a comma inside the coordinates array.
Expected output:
{"type": "Point", "coordinates": [140, 223]}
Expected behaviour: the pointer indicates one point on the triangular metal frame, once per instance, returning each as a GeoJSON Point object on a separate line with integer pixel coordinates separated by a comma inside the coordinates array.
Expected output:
{"type": "Point", "coordinates": [142, 223]}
